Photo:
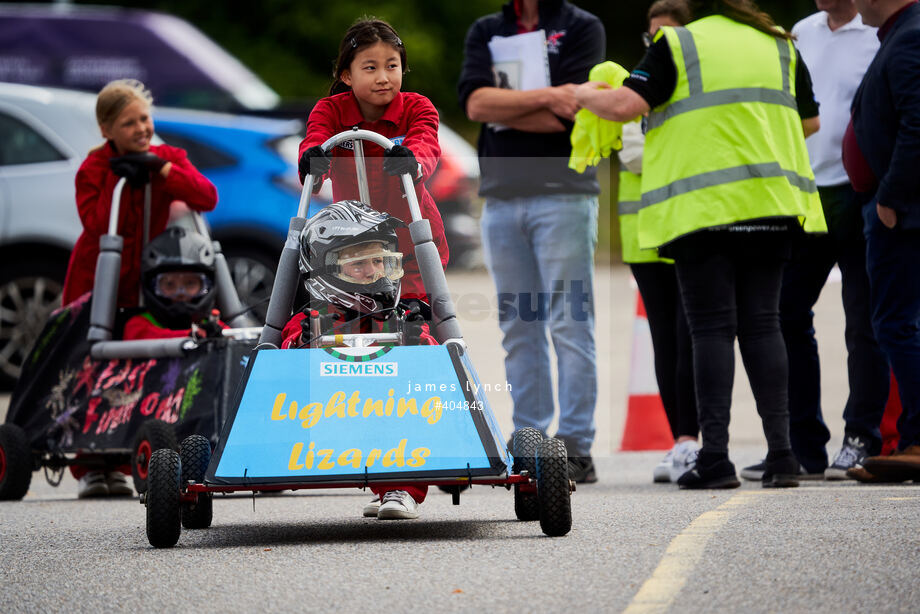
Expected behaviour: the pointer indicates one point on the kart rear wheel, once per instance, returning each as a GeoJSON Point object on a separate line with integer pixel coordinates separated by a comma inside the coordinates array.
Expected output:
{"type": "Point", "coordinates": [152, 436]}
{"type": "Point", "coordinates": [163, 498]}
{"type": "Point", "coordinates": [15, 463]}
{"type": "Point", "coordinates": [195, 454]}
{"type": "Point", "coordinates": [524, 444]}
{"type": "Point", "coordinates": [553, 488]}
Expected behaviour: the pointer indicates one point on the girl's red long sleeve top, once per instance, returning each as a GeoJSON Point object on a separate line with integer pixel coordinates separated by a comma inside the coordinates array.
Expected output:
{"type": "Point", "coordinates": [95, 184]}
{"type": "Point", "coordinates": [410, 120]}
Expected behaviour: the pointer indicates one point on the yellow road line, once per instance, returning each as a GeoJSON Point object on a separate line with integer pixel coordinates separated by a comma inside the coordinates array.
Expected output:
{"type": "Point", "coordinates": [683, 553]}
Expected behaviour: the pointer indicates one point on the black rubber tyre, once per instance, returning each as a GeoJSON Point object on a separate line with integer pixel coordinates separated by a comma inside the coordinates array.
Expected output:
{"type": "Point", "coordinates": [152, 436]}
{"type": "Point", "coordinates": [15, 463]}
{"type": "Point", "coordinates": [195, 454]}
{"type": "Point", "coordinates": [524, 444]}
{"type": "Point", "coordinates": [164, 516]}
{"type": "Point", "coordinates": [553, 488]}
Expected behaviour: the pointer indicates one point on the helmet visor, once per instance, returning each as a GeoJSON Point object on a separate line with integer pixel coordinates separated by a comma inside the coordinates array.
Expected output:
{"type": "Point", "coordinates": [365, 263]}
{"type": "Point", "coordinates": [181, 285]}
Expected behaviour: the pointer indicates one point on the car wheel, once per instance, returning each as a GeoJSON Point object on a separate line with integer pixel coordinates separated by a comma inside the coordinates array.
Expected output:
{"type": "Point", "coordinates": [29, 292]}
{"type": "Point", "coordinates": [253, 274]}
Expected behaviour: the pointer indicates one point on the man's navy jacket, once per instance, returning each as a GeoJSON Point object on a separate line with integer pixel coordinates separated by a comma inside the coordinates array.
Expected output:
{"type": "Point", "coordinates": [886, 117]}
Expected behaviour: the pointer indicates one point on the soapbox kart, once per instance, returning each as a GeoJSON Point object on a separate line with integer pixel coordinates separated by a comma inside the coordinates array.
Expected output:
{"type": "Point", "coordinates": [85, 399]}
{"type": "Point", "coordinates": [356, 410]}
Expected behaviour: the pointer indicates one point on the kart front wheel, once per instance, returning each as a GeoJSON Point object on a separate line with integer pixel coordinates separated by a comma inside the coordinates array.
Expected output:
{"type": "Point", "coordinates": [15, 463]}
{"type": "Point", "coordinates": [524, 444]}
{"type": "Point", "coordinates": [195, 454]}
{"type": "Point", "coordinates": [553, 488]}
{"type": "Point", "coordinates": [153, 435]}
{"type": "Point", "coordinates": [163, 498]}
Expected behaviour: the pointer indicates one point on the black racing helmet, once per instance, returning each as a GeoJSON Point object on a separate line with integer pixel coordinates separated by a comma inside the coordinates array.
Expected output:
{"type": "Point", "coordinates": [177, 277]}
{"type": "Point", "coordinates": [349, 257]}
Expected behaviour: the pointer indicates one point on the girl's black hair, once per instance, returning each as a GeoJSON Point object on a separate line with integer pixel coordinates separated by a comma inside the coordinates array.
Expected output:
{"type": "Point", "coordinates": [366, 31]}
{"type": "Point", "coordinates": [743, 11]}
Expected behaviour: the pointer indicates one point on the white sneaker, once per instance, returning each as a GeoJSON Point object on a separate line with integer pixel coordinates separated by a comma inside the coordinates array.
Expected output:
{"type": "Point", "coordinates": [118, 484]}
{"type": "Point", "coordinates": [662, 471]}
{"type": "Point", "coordinates": [684, 459]}
{"type": "Point", "coordinates": [397, 505]}
{"type": "Point", "coordinates": [93, 484]}
{"type": "Point", "coordinates": [370, 509]}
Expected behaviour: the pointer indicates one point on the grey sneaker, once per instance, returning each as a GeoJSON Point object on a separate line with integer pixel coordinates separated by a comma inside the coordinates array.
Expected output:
{"type": "Point", "coordinates": [92, 484]}
{"type": "Point", "coordinates": [662, 471]}
{"type": "Point", "coordinates": [397, 505]}
{"type": "Point", "coordinates": [684, 459]}
{"type": "Point", "coordinates": [853, 452]}
{"type": "Point", "coordinates": [371, 507]}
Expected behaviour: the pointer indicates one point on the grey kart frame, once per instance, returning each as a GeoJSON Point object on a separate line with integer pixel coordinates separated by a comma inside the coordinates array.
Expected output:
{"type": "Point", "coordinates": [102, 317]}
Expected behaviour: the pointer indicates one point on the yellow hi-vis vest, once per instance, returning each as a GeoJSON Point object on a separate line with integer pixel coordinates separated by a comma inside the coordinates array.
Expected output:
{"type": "Point", "coordinates": [728, 146]}
{"type": "Point", "coordinates": [629, 201]}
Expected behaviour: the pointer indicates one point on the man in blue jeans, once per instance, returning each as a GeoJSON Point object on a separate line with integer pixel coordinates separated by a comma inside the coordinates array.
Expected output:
{"type": "Point", "coordinates": [539, 223]}
{"type": "Point", "coordinates": [882, 155]}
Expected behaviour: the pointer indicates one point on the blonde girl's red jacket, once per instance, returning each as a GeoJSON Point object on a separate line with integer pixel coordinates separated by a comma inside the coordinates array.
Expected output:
{"type": "Point", "coordinates": [95, 184]}
{"type": "Point", "coordinates": [410, 120]}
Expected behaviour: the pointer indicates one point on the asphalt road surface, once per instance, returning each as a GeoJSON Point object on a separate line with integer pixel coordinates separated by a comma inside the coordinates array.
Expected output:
{"type": "Point", "coordinates": [634, 547]}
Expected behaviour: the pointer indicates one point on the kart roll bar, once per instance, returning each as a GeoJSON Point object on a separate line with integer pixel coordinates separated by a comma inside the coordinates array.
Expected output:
{"type": "Point", "coordinates": [105, 293]}
{"type": "Point", "coordinates": [444, 324]}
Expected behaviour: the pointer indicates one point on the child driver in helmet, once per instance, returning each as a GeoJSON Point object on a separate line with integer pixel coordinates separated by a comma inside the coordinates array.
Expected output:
{"type": "Point", "coordinates": [352, 269]}
{"type": "Point", "coordinates": [177, 281]}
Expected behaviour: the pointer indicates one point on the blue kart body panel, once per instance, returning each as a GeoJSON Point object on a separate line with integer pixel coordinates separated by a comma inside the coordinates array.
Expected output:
{"type": "Point", "coordinates": [358, 415]}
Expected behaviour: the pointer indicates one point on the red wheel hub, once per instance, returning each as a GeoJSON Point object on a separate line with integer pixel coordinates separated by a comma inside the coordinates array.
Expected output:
{"type": "Point", "coordinates": [142, 458]}
{"type": "Point", "coordinates": [2, 464]}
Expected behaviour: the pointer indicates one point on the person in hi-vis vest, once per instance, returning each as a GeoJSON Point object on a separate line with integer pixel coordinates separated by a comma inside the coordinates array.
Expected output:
{"type": "Point", "coordinates": [657, 285]}
{"type": "Point", "coordinates": [726, 186]}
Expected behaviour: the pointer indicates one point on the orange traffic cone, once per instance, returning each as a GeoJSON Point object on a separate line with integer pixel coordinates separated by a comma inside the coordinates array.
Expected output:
{"type": "Point", "coordinates": [647, 425]}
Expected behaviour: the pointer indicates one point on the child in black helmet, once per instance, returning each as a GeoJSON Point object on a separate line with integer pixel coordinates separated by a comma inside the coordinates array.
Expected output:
{"type": "Point", "coordinates": [177, 281]}
{"type": "Point", "coordinates": [352, 269]}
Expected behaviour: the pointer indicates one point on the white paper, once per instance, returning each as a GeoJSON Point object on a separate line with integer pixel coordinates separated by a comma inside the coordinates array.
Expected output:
{"type": "Point", "coordinates": [519, 62]}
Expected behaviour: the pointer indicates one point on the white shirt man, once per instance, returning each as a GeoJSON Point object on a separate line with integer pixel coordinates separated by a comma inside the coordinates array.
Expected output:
{"type": "Point", "coordinates": [837, 56]}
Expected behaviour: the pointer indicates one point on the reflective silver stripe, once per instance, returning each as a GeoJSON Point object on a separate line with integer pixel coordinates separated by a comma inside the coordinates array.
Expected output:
{"type": "Point", "coordinates": [727, 175]}
{"type": "Point", "coordinates": [722, 97]}
{"type": "Point", "coordinates": [698, 100]}
{"type": "Point", "coordinates": [627, 207]}
{"type": "Point", "coordinates": [785, 63]}
{"type": "Point", "coordinates": [691, 60]}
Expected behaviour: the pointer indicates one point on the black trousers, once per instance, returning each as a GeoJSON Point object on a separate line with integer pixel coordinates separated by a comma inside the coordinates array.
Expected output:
{"type": "Point", "coordinates": [728, 293]}
{"type": "Point", "coordinates": [867, 369]}
{"type": "Point", "coordinates": [667, 323]}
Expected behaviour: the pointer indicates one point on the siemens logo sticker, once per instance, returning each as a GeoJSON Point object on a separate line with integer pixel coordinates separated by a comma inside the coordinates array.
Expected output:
{"type": "Point", "coordinates": [372, 369]}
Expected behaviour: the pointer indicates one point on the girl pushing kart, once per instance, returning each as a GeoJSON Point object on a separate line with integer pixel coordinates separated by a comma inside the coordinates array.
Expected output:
{"type": "Point", "coordinates": [357, 269]}
{"type": "Point", "coordinates": [123, 111]}
{"type": "Point", "coordinates": [126, 122]}
{"type": "Point", "coordinates": [366, 94]}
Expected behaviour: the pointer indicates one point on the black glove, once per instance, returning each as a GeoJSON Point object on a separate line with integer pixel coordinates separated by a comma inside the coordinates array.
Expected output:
{"type": "Point", "coordinates": [400, 160]}
{"type": "Point", "coordinates": [137, 167]}
{"type": "Point", "coordinates": [314, 161]}
{"type": "Point", "coordinates": [211, 328]}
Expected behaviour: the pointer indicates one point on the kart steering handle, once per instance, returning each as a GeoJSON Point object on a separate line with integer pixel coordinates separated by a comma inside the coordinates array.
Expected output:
{"type": "Point", "coordinates": [356, 135]}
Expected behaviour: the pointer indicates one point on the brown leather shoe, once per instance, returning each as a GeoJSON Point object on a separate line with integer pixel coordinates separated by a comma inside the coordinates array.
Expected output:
{"type": "Point", "coordinates": [860, 474]}
{"type": "Point", "coordinates": [899, 467]}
